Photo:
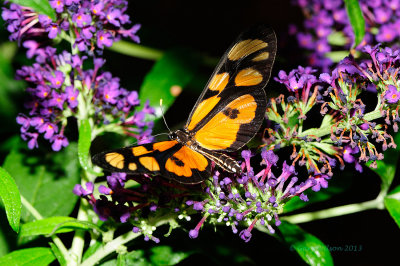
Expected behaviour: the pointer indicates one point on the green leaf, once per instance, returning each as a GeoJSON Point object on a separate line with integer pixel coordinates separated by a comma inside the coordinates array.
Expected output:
{"type": "Point", "coordinates": [46, 181]}
{"type": "Point", "coordinates": [56, 224]}
{"type": "Point", "coordinates": [164, 255]}
{"type": "Point", "coordinates": [136, 258]}
{"type": "Point", "coordinates": [9, 87]}
{"type": "Point", "coordinates": [337, 56]}
{"type": "Point", "coordinates": [57, 253]}
{"type": "Point", "coordinates": [386, 168]}
{"type": "Point", "coordinates": [84, 141]}
{"type": "Point", "coordinates": [167, 78]}
{"type": "Point", "coordinates": [11, 198]}
{"type": "Point", "coordinates": [337, 38]}
{"type": "Point", "coordinates": [392, 204]}
{"type": "Point", "coordinates": [28, 256]}
{"type": "Point", "coordinates": [40, 6]}
{"type": "Point", "coordinates": [309, 247]}
{"type": "Point", "coordinates": [356, 20]}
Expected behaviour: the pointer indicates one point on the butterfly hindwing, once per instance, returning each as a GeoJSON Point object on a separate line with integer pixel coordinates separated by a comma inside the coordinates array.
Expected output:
{"type": "Point", "coordinates": [167, 158]}
{"type": "Point", "coordinates": [231, 108]}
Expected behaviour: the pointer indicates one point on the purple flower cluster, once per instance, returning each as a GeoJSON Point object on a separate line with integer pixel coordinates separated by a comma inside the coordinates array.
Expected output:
{"type": "Point", "coordinates": [248, 199]}
{"type": "Point", "coordinates": [253, 198]}
{"type": "Point", "coordinates": [93, 24]}
{"type": "Point", "coordinates": [61, 88]}
{"type": "Point", "coordinates": [351, 134]}
{"type": "Point", "coordinates": [326, 18]}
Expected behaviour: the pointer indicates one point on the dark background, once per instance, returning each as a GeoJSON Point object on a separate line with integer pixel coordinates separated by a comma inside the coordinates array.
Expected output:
{"type": "Point", "coordinates": [209, 27]}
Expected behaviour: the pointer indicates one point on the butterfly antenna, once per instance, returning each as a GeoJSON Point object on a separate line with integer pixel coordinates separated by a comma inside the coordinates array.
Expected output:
{"type": "Point", "coordinates": [162, 112]}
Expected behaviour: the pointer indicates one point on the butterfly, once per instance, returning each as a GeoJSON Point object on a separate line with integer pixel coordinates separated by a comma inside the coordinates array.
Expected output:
{"type": "Point", "coordinates": [228, 113]}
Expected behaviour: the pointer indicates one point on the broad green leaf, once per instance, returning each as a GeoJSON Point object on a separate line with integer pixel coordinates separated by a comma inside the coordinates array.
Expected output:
{"type": "Point", "coordinates": [386, 168]}
{"type": "Point", "coordinates": [168, 77]}
{"type": "Point", "coordinates": [356, 20]}
{"type": "Point", "coordinates": [57, 253]}
{"type": "Point", "coordinates": [45, 181]}
{"type": "Point", "coordinates": [164, 255]}
{"type": "Point", "coordinates": [56, 224]}
{"type": "Point", "coordinates": [28, 256]}
{"type": "Point", "coordinates": [309, 247]}
{"type": "Point", "coordinates": [40, 6]}
{"type": "Point", "coordinates": [393, 206]}
{"type": "Point", "coordinates": [11, 198]}
{"type": "Point", "coordinates": [84, 142]}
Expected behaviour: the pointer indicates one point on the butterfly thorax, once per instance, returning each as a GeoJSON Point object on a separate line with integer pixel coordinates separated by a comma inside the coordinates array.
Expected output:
{"type": "Point", "coordinates": [222, 160]}
{"type": "Point", "coordinates": [184, 138]}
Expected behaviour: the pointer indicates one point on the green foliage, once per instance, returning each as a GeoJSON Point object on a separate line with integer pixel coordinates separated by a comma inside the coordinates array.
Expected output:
{"type": "Point", "coordinates": [28, 256]}
{"type": "Point", "coordinates": [45, 181]}
{"type": "Point", "coordinates": [84, 141]}
{"type": "Point", "coordinates": [158, 255]}
{"type": "Point", "coordinates": [169, 75]}
{"type": "Point", "coordinates": [57, 253]}
{"type": "Point", "coordinates": [55, 224]}
{"type": "Point", "coordinates": [356, 20]}
{"type": "Point", "coordinates": [309, 247]}
{"type": "Point", "coordinates": [40, 6]}
{"type": "Point", "coordinates": [393, 206]}
{"type": "Point", "coordinates": [386, 168]}
{"type": "Point", "coordinates": [11, 198]}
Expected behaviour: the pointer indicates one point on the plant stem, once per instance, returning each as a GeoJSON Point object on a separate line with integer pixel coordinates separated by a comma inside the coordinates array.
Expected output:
{"type": "Point", "coordinates": [57, 241]}
{"type": "Point", "coordinates": [109, 248]}
{"type": "Point", "coordinates": [323, 131]}
{"type": "Point", "coordinates": [78, 241]}
{"type": "Point", "coordinates": [336, 211]}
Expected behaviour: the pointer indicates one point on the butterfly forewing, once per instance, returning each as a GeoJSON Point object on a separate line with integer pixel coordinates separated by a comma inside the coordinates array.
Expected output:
{"type": "Point", "coordinates": [231, 108]}
{"type": "Point", "coordinates": [227, 115]}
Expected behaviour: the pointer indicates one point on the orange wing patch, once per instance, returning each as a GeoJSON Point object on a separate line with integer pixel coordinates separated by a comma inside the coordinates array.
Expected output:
{"type": "Point", "coordinates": [150, 163]}
{"type": "Point", "coordinates": [220, 132]}
{"type": "Point", "coordinates": [248, 77]}
{"type": "Point", "coordinates": [115, 159]}
{"type": "Point", "coordinates": [202, 110]}
{"type": "Point", "coordinates": [132, 166]}
{"type": "Point", "coordinates": [139, 150]}
{"type": "Point", "coordinates": [245, 48]}
{"type": "Point", "coordinates": [164, 145]}
{"type": "Point", "coordinates": [219, 81]}
{"type": "Point", "coordinates": [184, 160]}
{"type": "Point", "coordinates": [261, 57]}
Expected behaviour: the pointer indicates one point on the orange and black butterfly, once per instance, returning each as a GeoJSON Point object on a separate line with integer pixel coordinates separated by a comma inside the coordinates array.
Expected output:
{"type": "Point", "coordinates": [226, 116]}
